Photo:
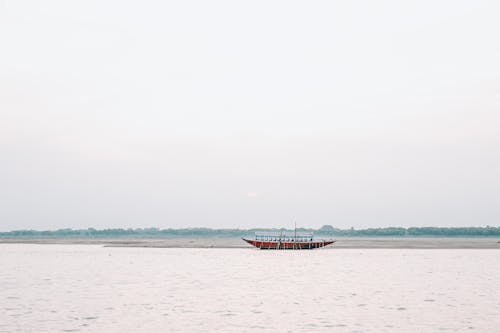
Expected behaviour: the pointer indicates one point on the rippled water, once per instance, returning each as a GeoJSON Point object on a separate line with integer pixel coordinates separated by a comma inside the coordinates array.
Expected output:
{"type": "Point", "coordinates": [71, 288]}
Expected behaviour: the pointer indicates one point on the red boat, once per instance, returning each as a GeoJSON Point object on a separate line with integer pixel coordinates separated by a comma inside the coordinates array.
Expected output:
{"type": "Point", "coordinates": [269, 241]}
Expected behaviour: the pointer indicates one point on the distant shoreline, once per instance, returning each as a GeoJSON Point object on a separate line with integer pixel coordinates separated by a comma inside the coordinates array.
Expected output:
{"type": "Point", "coordinates": [236, 242]}
{"type": "Point", "coordinates": [326, 231]}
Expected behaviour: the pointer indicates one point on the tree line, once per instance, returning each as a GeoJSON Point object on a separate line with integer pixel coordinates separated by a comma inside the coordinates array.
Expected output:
{"type": "Point", "coordinates": [326, 230]}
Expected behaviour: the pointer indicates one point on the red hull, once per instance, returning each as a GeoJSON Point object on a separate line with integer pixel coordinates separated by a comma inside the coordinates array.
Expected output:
{"type": "Point", "coordinates": [266, 245]}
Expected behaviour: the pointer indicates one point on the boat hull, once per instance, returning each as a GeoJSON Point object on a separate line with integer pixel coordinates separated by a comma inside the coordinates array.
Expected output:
{"type": "Point", "coordinates": [276, 245]}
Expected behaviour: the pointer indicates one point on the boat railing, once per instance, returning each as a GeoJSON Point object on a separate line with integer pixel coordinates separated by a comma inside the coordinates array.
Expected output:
{"type": "Point", "coordinates": [285, 237]}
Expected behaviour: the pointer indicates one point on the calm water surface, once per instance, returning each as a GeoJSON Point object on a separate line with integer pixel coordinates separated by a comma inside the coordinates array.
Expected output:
{"type": "Point", "coordinates": [88, 288]}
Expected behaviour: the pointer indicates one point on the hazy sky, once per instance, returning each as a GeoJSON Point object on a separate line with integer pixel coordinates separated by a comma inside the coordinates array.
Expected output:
{"type": "Point", "coordinates": [249, 113]}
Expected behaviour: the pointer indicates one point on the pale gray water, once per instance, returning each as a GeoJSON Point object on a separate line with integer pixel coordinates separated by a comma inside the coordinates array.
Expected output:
{"type": "Point", "coordinates": [90, 288]}
{"type": "Point", "coordinates": [236, 242]}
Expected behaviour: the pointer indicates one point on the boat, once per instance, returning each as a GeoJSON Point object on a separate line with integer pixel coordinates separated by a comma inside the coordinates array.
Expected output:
{"type": "Point", "coordinates": [287, 241]}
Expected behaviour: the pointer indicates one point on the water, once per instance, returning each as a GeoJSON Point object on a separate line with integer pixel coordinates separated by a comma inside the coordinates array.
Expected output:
{"type": "Point", "coordinates": [89, 288]}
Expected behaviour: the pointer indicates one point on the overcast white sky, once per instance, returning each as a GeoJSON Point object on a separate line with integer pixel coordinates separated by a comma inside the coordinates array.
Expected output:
{"type": "Point", "coordinates": [249, 113]}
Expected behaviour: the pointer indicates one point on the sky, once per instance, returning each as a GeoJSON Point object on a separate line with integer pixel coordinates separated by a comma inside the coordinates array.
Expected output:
{"type": "Point", "coordinates": [242, 114]}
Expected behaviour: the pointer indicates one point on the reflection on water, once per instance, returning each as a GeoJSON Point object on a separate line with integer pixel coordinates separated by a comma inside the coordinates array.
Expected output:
{"type": "Point", "coordinates": [87, 288]}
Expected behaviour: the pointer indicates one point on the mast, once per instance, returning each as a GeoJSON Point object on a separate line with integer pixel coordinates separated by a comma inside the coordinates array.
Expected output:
{"type": "Point", "coordinates": [295, 236]}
